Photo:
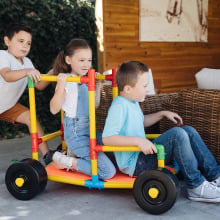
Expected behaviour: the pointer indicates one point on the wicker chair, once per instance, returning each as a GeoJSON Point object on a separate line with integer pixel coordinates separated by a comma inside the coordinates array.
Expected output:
{"type": "Point", "coordinates": [198, 108]}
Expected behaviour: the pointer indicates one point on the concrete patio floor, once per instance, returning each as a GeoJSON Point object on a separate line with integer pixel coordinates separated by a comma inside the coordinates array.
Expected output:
{"type": "Point", "coordinates": [63, 201]}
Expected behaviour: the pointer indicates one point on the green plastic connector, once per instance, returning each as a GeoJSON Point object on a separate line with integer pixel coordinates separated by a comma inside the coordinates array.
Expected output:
{"type": "Point", "coordinates": [160, 152]}
{"type": "Point", "coordinates": [31, 84]}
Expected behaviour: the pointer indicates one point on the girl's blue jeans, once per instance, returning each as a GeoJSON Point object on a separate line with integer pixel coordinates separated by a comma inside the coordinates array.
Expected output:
{"type": "Point", "coordinates": [184, 144]}
{"type": "Point", "coordinates": [76, 136]}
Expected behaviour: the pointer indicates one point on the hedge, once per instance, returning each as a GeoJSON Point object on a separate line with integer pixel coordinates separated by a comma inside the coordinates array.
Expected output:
{"type": "Point", "coordinates": [54, 24]}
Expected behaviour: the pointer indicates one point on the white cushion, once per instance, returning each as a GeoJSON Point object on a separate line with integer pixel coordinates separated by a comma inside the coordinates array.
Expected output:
{"type": "Point", "coordinates": [151, 84]}
{"type": "Point", "coordinates": [208, 78]}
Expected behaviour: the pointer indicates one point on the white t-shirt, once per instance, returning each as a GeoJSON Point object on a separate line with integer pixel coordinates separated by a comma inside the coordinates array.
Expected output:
{"type": "Point", "coordinates": [10, 92]}
{"type": "Point", "coordinates": [70, 103]}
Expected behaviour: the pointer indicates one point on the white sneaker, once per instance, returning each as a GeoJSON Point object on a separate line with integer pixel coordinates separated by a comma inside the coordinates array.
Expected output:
{"type": "Point", "coordinates": [62, 161]}
{"type": "Point", "coordinates": [216, 182]}
{"type": "Point", "coordinates": [206, 192]}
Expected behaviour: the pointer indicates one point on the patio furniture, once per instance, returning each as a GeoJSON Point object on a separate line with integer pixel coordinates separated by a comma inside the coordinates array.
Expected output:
{"type": "Point", "coordinates": [199, 108]}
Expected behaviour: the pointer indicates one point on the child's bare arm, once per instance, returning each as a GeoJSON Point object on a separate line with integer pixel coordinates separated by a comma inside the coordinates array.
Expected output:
{"type": "Point", "coordinates": [151, 119]}
{"type": "Point", "coordinates": [146, 146]}
{"type": "Point", "coordinates": [15, 75]}
{"type": "Point", "coordinates": [59, 95]}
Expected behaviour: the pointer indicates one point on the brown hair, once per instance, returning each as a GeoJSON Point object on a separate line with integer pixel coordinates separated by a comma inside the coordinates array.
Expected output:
{"type": "Point", "coordinates": [15, 28]}
{"type": "Point", "coordinates": [60, 65]}
{"type": "Point", "coordinates": [128, 72]}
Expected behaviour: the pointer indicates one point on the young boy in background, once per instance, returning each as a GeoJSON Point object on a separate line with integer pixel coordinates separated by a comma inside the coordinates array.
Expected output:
{"type": "Point", "coordinates": [125, 126]}
{"type": "Point", "coordinates": [15, 67]}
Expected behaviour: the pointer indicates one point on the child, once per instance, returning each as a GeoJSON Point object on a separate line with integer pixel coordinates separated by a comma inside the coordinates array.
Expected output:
{"type": "Point", "coordinates": [14, 69]}
{"type": "Point", "coordinates": [125, 126]}
{"type": "Point", "coordinates": [76, 60]}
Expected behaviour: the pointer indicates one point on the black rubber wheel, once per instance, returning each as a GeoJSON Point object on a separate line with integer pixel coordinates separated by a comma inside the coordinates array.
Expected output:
{"type": "Point", "coordinates": [25, 179]}
{"type": "Point", "coordinates": [155, 191]}
{"type": "Point", "coordinates": [42, 173]}
{"type": "Point", "coordinates": [173, 177]}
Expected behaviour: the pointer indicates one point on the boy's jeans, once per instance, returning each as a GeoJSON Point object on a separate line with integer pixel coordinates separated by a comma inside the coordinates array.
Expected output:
{"type": "Point", "coordinates": [76, 136]}
{"type": "Point", "coordinates": [192, 155]}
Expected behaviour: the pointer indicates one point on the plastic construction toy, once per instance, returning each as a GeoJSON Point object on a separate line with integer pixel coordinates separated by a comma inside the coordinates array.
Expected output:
{"type": "Point", "coordinates": [155, 191]}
